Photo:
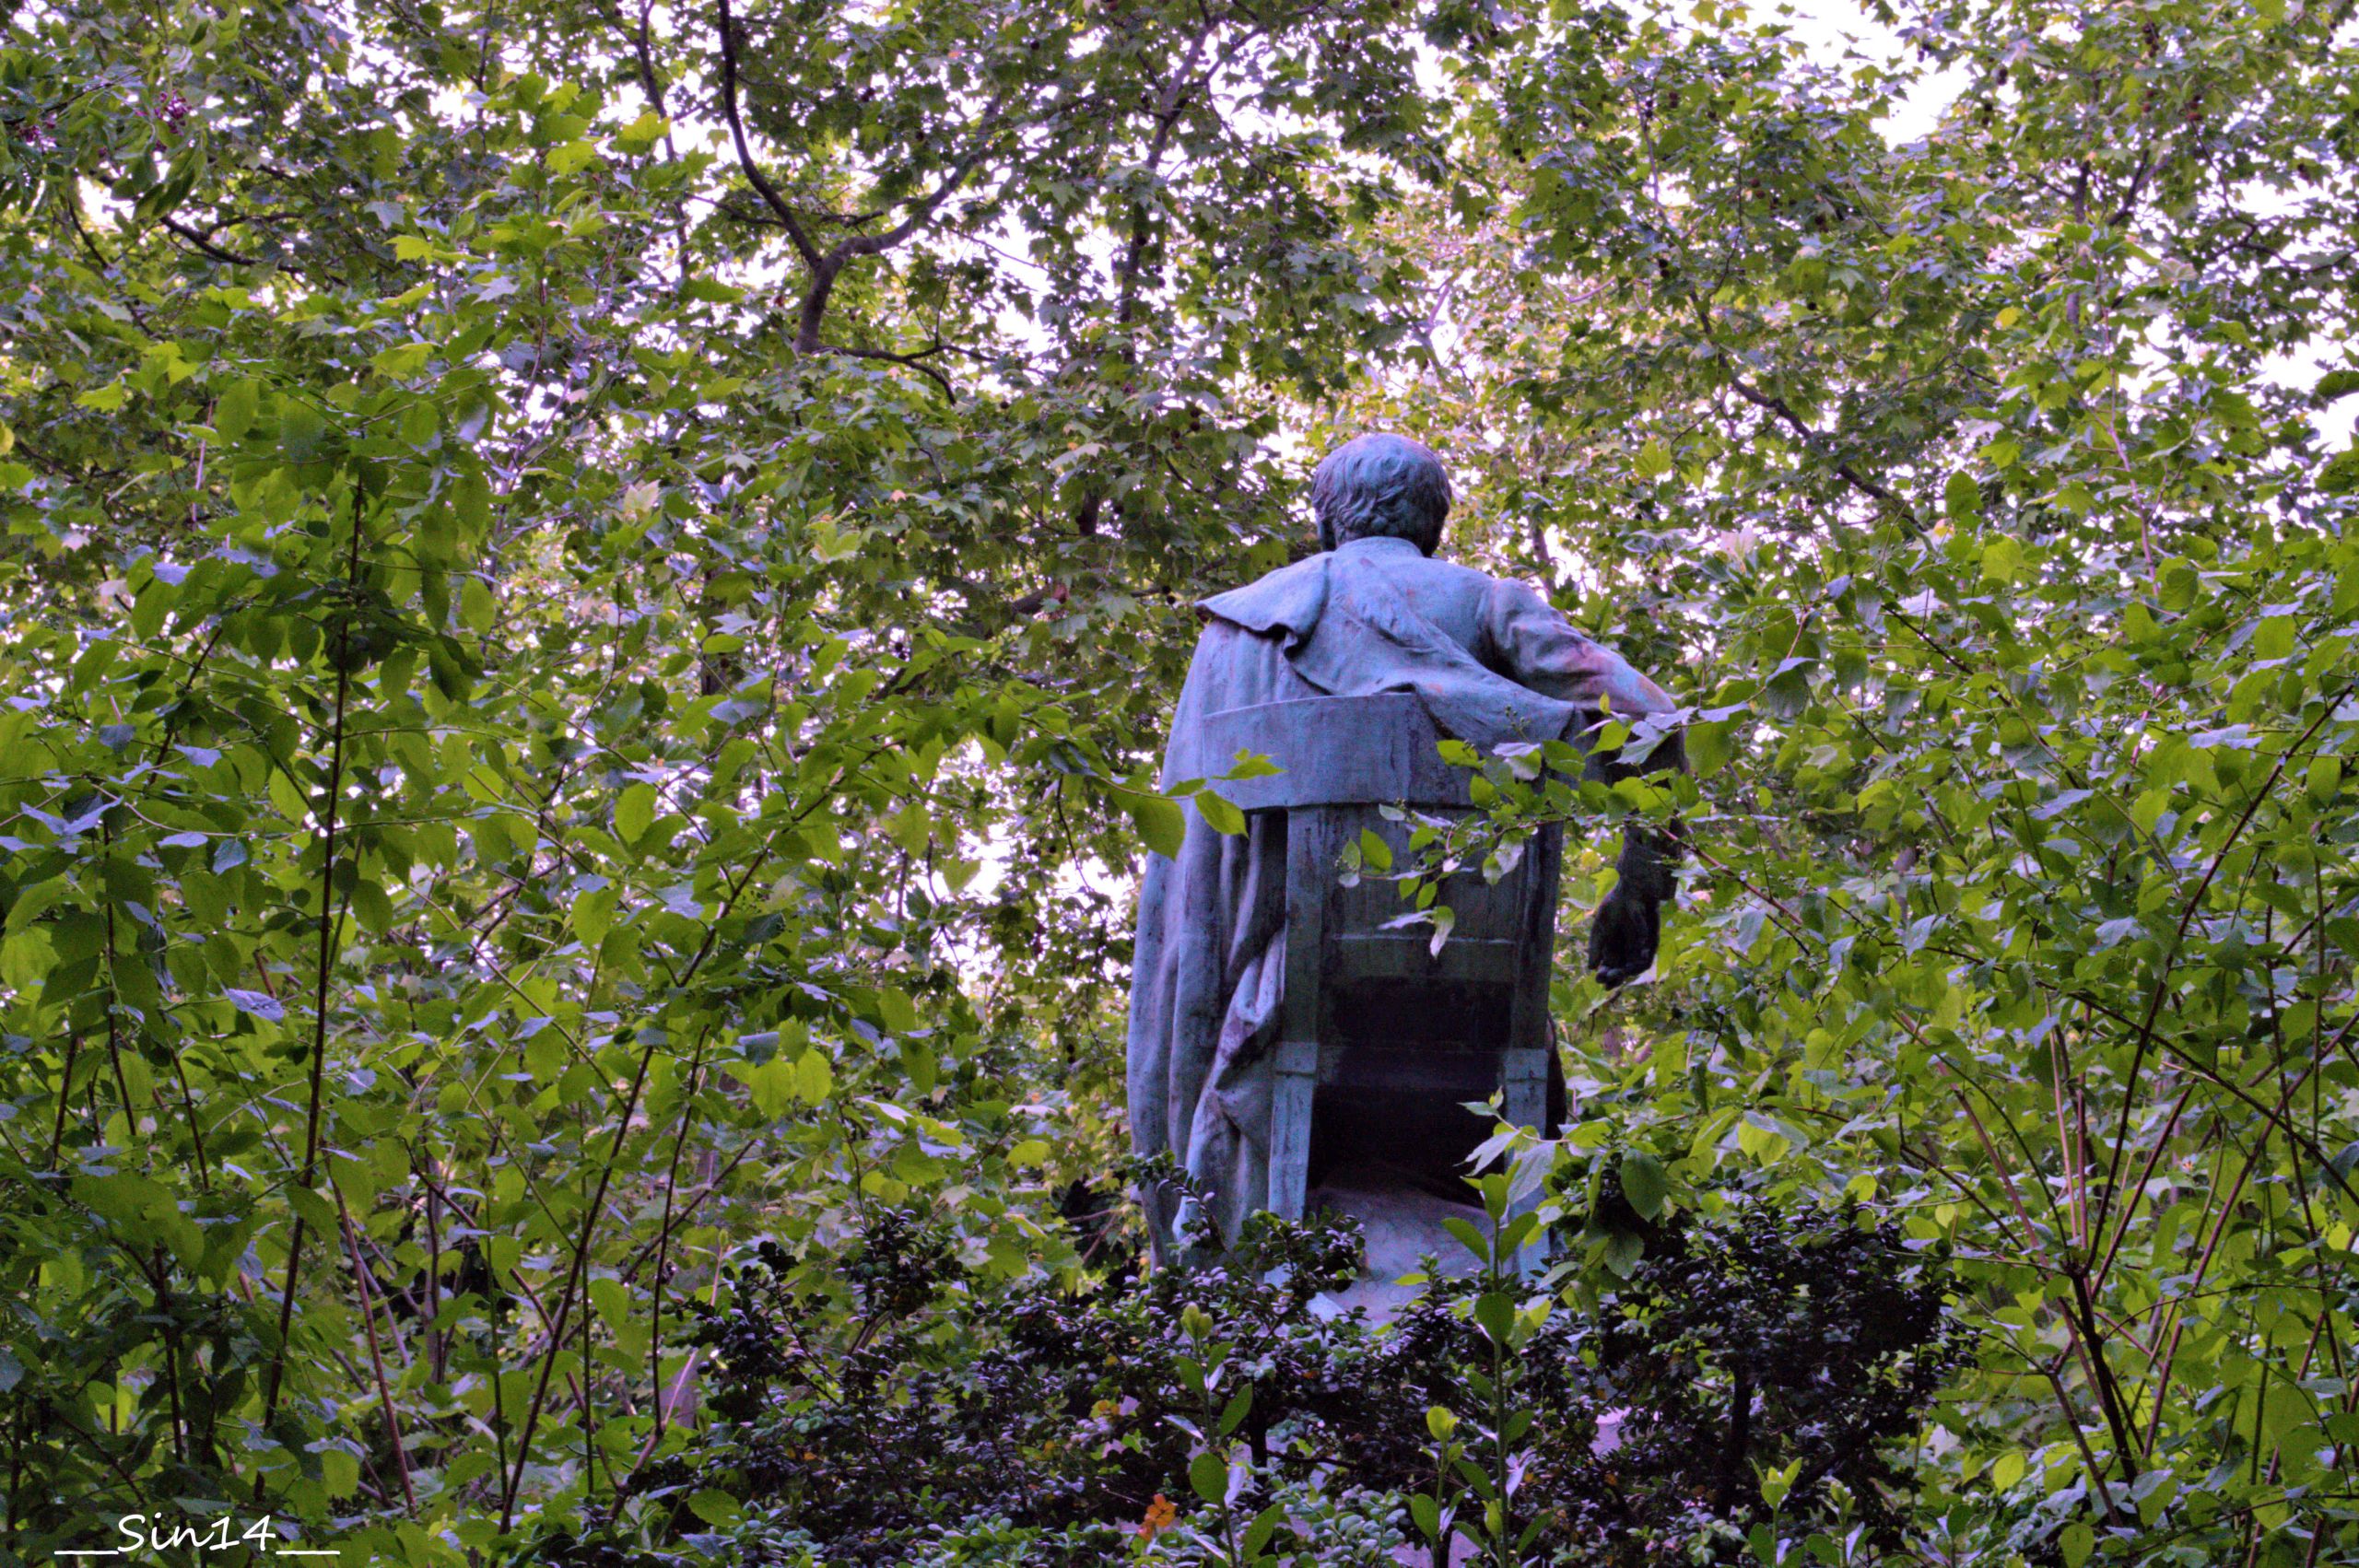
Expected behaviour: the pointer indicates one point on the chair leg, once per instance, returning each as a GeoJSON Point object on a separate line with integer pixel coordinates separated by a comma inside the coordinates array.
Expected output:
{"type": "Point", "coordinates": [1297, 1079]}
{"type": "Point", "coordinates": [1523, 1102]}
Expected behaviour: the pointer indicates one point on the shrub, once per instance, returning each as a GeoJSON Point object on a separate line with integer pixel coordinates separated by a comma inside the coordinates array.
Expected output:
{"type": "Point", "coordinates": [879, 1407]}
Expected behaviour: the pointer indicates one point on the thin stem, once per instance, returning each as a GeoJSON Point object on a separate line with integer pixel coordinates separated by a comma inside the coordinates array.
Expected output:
{"type": "Point", "coordinates": [572, 1285]}
{"type": "Point", "coordinates": [376, 1357]}
{"type": "Point", "coordinates": [331, 915]}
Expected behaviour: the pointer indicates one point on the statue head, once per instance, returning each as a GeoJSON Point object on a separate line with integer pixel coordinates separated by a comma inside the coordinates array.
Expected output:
{"type": "Point", "coordinates": [1378, 485]}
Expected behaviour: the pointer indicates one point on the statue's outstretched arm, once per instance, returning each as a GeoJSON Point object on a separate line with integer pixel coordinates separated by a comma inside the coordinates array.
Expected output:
{"type": "Point", "coordinates": [1538, 648]}
{"type": "Point", "coordinates": [1628, 926]}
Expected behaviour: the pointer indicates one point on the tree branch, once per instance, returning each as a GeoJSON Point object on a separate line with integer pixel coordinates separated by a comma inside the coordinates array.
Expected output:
{"type": "Point", "coordinates": [1778, 405]}
{"type": "Point", "coordinates": [207, 246]}
{"type": "Point", "coordinates": [914, 361]}
{"type": "Point", "coordinates": [875, 244]}
{"type": "Point", "coordinates": [754, 175]}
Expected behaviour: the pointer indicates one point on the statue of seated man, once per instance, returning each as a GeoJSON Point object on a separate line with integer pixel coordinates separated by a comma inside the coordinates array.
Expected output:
{"type": "Point", "coordinates": [1373, 613]}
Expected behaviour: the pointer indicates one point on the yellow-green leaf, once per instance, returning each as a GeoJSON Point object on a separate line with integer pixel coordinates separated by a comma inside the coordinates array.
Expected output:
{"type": "Point", "coordinates": [1161, 821]}
{"type": "Point", "coordinates": [593, 916]}
{"type": "Point", "coordinates": [572, 159]}
{"type": "Point", "coordinates": [477, 608]}
{"type": "Point", "coordinates": [634, 812]}
{"type": "Point", "coordinates": [642, 132]}
{"type": "Point", "coordinates": [233, 410]}
{"type": "Point", "coordinates": [1219, 814]}
{"type": "Point", "coordinates": [1961, 497]}
{"type": "Point", "coordinates": [402, 359]}
{"type": "Point", "coordinates": [815, 1077]}
{"type": "Point", "coordinates": [2003, 560]}
{"type": "Point", "coordinates": [1709, 746]}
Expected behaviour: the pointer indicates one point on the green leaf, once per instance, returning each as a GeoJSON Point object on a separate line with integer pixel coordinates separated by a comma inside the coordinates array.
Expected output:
{"type": "Point", "coordinates": [1646, 1184]}
{"type": "Point", "coordinates": [1219, 814]}
{"type": "Point", "coordinates": [302, 429]}
{"type": "Point", "coordinates": [634, 810]}
{"type": "Point", "coordinates": [1472, 1240]}
{"type": "Point", "coordinates": [339, 1471]}
{"type": "Point", "coordinates": [2341, 475]}
{"type": "Point", "coordinates": [715, 1508]}
{"type": "Point", "coordinates": [1494, 1315]}
{"type": "Point", "coordinates": [402, 359]}
{"type": "Point", "coordinates": [371, 907]}
{"type": "Point", "coordinates": [1654, 460]}
{"type": "Point", "coordinates": [2003, 560]}
{"type": "Point", "coordinates": [471, 504]}
{"type": "Point", "coordinates": [316, 1211]}
{"type": "Point", "coordinates": [477, 608]}
{"type": "Point", "coordinates": [1709, 746]}
{"type": "Point", "coordinates": [774, 1083]}
{"type": "Point", "coordinates": [233, 410]}
{"type": "Point", "coordinates": [1962, 499]}
{"type": "Point", "coordinates": [640, 135]}
{"type": "Point", "coordinates": [2075, 1541]}
{"type": "Point", "coordinates": [572, 159]}
{"type": "Point", "coordinates": [593, 916]}
{"type": "Point", "coordinates": [1208, 1473]}
{"type": "Point", "coordinates": [126, 1200]}
{"type": "Point", "coordinates": [910, 828]}
{"type": "Point", "coordinates": [1240, 1406]}
{"type": "Point", "coordinates": [1264, 1525]}
{"type": "Point", "coordinates": [613, 1302]}
{"type": "Point", "coordinates": [1161, 822]}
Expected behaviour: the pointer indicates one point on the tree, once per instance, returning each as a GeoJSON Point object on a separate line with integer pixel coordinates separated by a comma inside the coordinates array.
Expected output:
{"type": "Point", "coordinates": [548, 551]}
{"type": "Point", "coordinates": [1987, 484]}
{"type": "Point", "coordinates": [591, 589]}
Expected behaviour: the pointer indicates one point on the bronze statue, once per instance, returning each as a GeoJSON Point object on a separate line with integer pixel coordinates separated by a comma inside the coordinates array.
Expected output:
{"type": "Point", "coordinates": [1486, 661]}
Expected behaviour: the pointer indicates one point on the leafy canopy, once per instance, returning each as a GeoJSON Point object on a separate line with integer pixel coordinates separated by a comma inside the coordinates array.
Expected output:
{"type": "Point", "coordinates": [591, 592]}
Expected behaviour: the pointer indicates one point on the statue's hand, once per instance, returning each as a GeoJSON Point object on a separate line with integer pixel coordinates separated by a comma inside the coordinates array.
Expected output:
{"type": "Point", "coordinates": [1622, 938]}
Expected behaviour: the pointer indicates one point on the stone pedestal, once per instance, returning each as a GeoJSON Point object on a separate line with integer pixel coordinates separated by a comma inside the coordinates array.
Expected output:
{"type": "Point", "coordinates": [1402, 1220]}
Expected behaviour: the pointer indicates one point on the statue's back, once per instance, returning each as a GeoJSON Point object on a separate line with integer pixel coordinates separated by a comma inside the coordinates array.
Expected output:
{"type": "Point", "coordinates": [1387, 1030]}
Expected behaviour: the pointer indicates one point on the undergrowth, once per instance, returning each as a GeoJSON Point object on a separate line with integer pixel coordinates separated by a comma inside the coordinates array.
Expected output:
{"type": "Point", "coordinates": [1763, 1369]}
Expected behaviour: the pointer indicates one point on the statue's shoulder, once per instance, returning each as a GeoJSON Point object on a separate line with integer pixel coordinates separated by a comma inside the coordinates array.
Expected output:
{"type": "Point", "coordinates": [1461, 578]}
{"type": "Point", "coordinates": [1288, 600]}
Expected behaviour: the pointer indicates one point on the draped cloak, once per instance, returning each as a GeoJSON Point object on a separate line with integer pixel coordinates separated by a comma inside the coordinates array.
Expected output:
{"type": "Point", "coordinates": [1491, 663]}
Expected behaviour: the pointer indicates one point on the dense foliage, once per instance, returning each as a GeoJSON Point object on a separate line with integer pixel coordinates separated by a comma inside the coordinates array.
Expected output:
{"type": "Point", "coordinates": [872, 1407]}
{"type": "Point", "coordinates": [591, 591]}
